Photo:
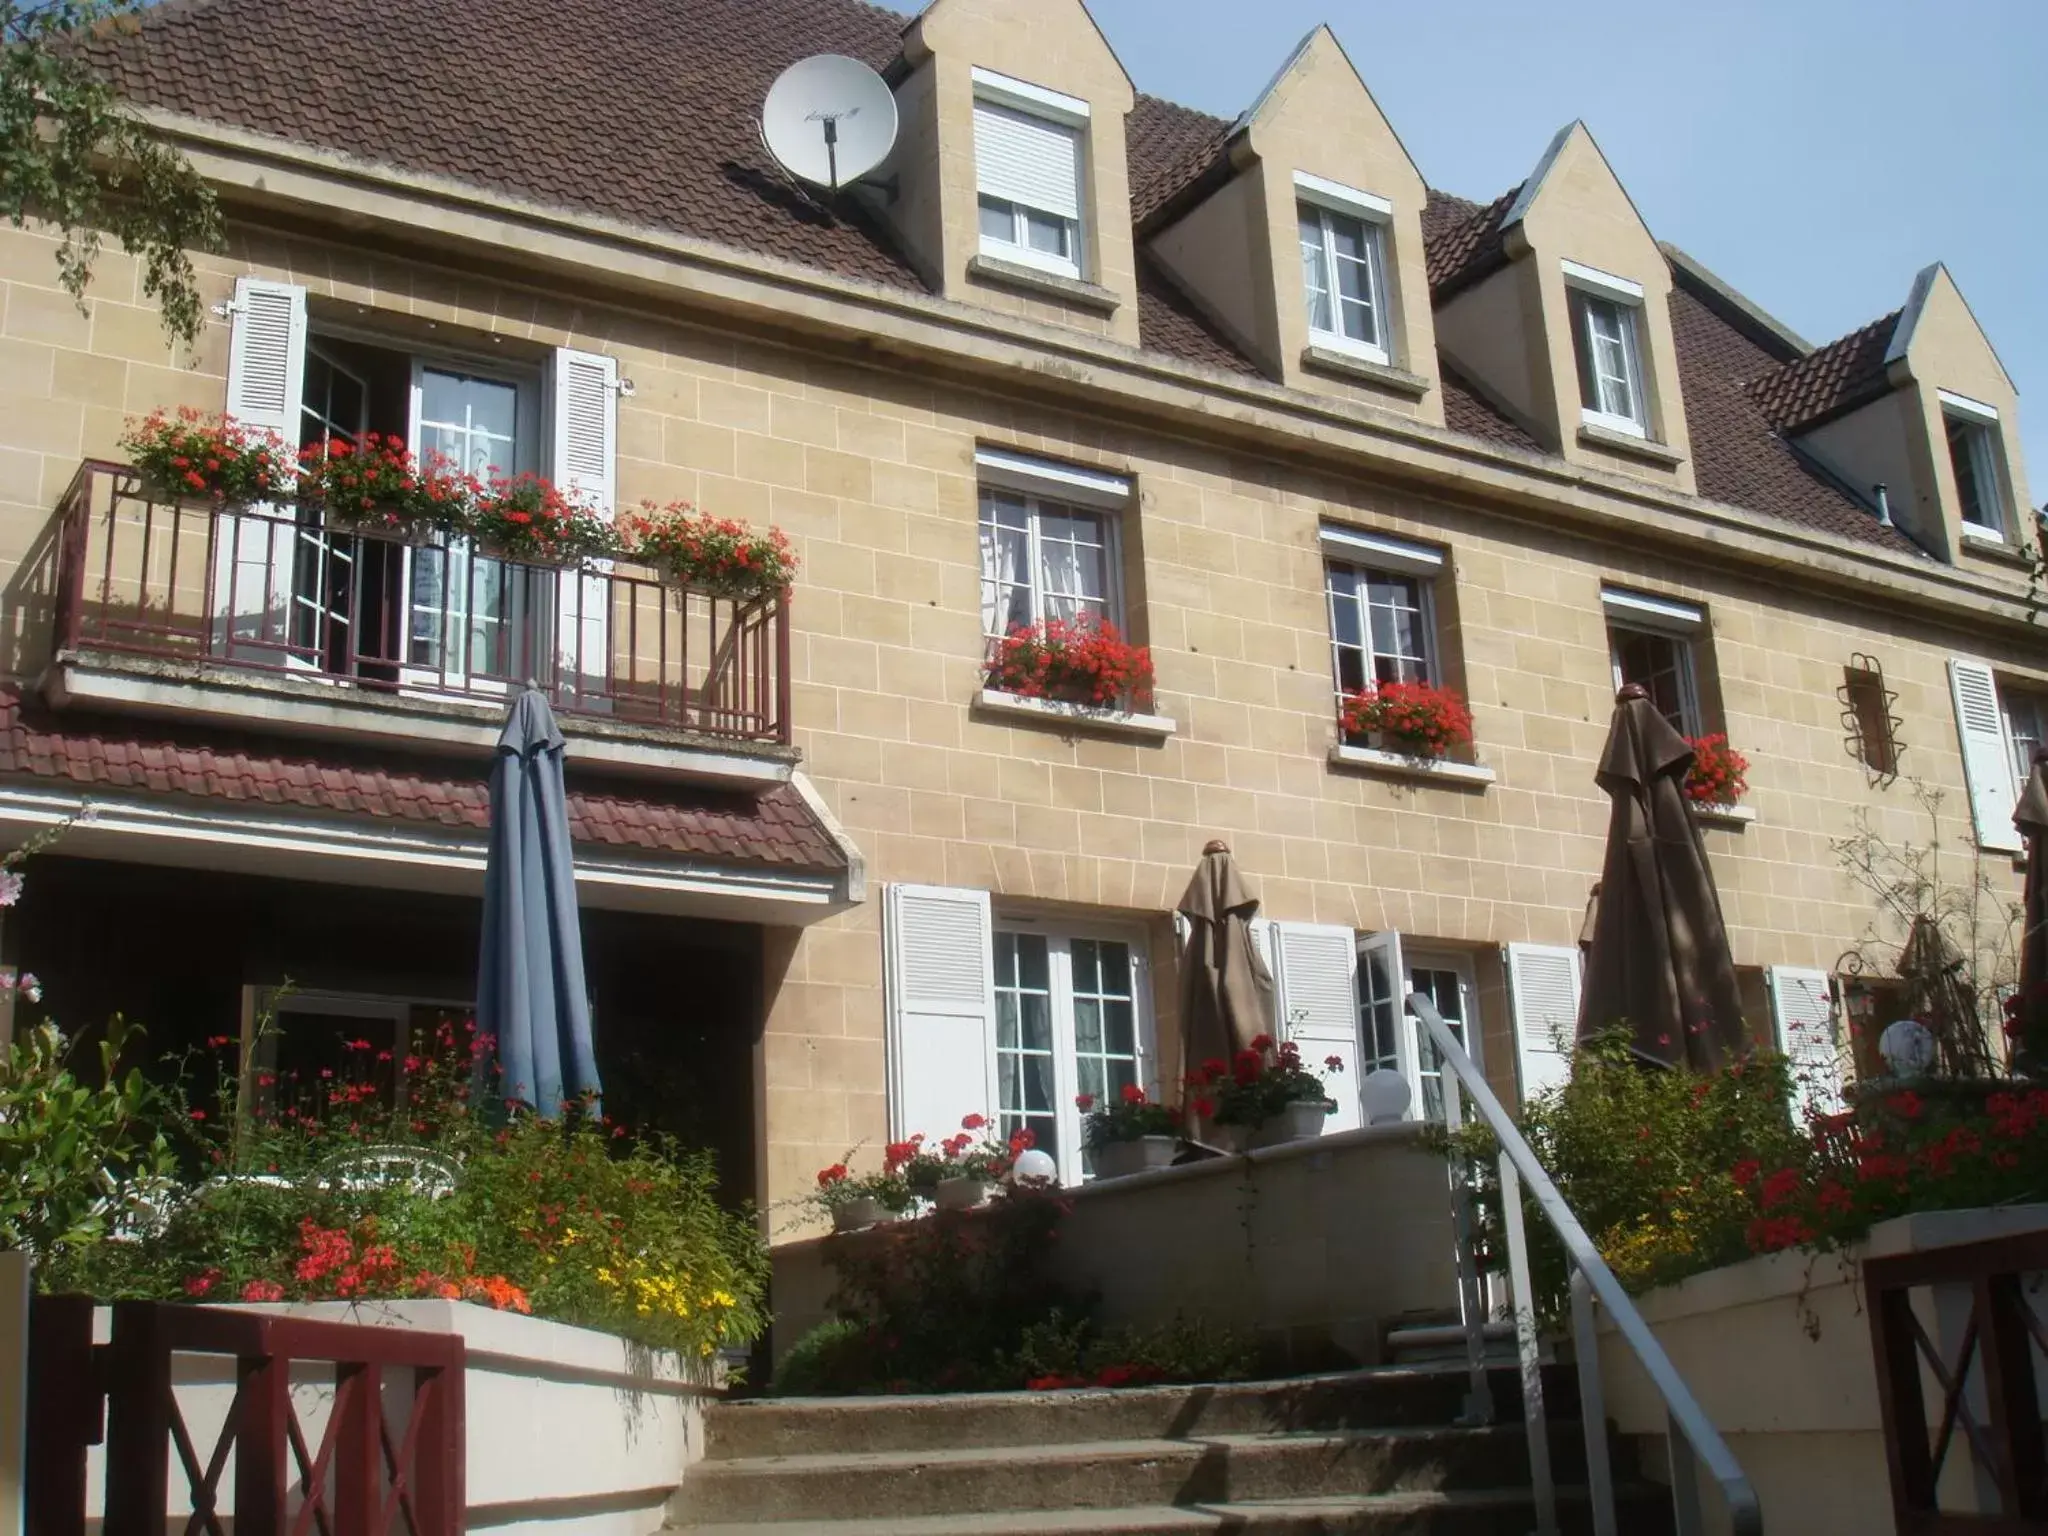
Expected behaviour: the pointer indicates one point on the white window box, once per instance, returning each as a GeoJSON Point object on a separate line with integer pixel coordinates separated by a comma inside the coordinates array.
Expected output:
{"type": "Point", "coordinates": [1440, 770]}
{"type": "Point", "coordinates": [1733, 816]}
{"type": "Point", "coordinates": [1089, 716]}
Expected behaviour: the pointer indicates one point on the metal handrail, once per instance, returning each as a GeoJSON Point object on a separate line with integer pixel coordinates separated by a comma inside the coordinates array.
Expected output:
{"type": "Point", "coordinates": [1691, 1435]}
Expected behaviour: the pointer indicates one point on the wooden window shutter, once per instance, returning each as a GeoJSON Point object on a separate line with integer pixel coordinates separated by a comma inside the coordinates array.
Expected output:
{"type": "Point", "coordinates": [1028, 160]}
{"type": "Point", "coordinates": [939, 950]}
{"type": "Point", "coordinates": [1316, 983]}
{"type": "Point", "coordinates": [1543, 988]}
{"type": "Point", "coordinates": [1803, 1009]}
{"type": "Point", "coordinates": [267, 357]}
{"type": "Point", "coordinates": [586, 427]}
{"type": "Point", "coordinates": [1987, 768]}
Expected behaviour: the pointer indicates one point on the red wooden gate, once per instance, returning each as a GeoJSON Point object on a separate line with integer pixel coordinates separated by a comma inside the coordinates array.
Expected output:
{"type": "Point", "coordinates": [389, 1461]}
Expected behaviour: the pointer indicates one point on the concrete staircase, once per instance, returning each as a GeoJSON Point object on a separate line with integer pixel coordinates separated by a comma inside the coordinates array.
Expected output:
{"type": "Point", "coordinates": [1376, 1451]}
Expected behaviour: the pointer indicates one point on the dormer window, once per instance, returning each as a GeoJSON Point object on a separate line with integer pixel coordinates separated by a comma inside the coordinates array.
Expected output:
{"type": "Point", "coordinates": [1344, 267]}
{"type": "Point", "coordinates": [1605, 314]}
{"type": "Point", "coordinates": [1973, 456]}
{"type": "Point", "coordinates": [1027, 159]}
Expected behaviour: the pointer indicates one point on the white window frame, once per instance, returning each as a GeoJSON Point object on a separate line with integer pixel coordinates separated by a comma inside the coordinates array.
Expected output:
{"type": "Point", "coordinates": [1373, 215]}
{"type": "Point", "coordinates": [2034, 706]}
{"type": "Point", "coordinates": [1058, 110]}
{"type": "Point", "coordinates": [1046, 484]}
{"type": "Point", "coordinates": [1059, 936]}
{"type": "Point", "coordinates": [1986, 450]}
{"type": "Point", "coordinates": [1377, 553]}
{"type": "Point", "coordinates": [1403, 963]}
{"type": "Point", "coordinates": [1626, 298]}
{"type": "Point", "coordinates": [1668, 617]}
{"type": "Point", "coordinates": [1459, 964]}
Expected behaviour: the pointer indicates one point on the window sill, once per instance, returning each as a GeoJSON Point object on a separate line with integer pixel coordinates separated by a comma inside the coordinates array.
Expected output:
{"type": "Point", "coordinates": [1990, 546]}
{"type": "Point", "coordinates": [1092, 717]}
{"type": "Point", "coordinates": [1016, 274]}
{"type": "Point", "coordinates": [1399, 380]}
{"type": "Point", "coordinates": [1628, 443]}
{"type": "Point", "coordinates": [1725, 815]}
{"type": "Point", "coordinates": [1436, 770]}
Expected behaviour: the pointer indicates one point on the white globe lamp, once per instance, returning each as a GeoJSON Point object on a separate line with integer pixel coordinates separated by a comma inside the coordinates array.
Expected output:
{"type": "Point", "coordinates": [1034, 1167]}
{"type": "Point", "coordinates": [1907, 1047]}
{"type": "Point", "coordinates": [1387, 1096]}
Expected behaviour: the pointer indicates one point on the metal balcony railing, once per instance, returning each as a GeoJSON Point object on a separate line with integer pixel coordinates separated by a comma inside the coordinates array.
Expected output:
{"type": "Point", "coordinates": [273, 590]}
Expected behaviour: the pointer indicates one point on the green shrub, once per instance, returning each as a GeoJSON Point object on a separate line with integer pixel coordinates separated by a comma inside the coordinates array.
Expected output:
{"type": "Point", "coordinates": [821, 1362]}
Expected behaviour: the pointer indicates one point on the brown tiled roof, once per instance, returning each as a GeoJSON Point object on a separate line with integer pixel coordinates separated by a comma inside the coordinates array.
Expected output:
{"type": "Point", "coordinates": [1170, 148]}
{"type": "Point", "coordinates": [1829, 380]}
{"type": "Point", "coordinates": [1468, 411]}
{"type": "Point", "coordinates": [1737, 457]}
{"type": "Point", "coordinates": [645, 111]}
{"type": "Point", "coordinates": [96, 753]}
{"type": "Point", "coordinates": [1170, 322]}
{"type": "Point", "coordinates": [1463, 241]}
{"type": "Point", "coordinates": [638, 110]}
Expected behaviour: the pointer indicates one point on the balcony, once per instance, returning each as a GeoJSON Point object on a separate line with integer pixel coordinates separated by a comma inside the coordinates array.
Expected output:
{"type": "Point", "coordinates": [264, 618]}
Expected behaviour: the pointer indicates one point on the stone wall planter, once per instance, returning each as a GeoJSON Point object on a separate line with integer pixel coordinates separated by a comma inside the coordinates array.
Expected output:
{"type": "Point", "coordinates": [960, 1194]}
{"type": "Point", "coordinates": [1297, 1122]}
{"type": "Point", "coordinates": [1120, 1159]}
{"type": "Point", "coordinates": [1777, 1350]}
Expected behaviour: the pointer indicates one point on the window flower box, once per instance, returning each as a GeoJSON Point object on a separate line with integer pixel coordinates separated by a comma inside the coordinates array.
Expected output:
{"type": "Point", "coordinates": [718, 555]}
{"type": "Point", "coordinates": [1718, 778]}
{"type": "Point", "coordinates": [1083, 662]}
{"type": "Point", "coordinates": [1415, 720]}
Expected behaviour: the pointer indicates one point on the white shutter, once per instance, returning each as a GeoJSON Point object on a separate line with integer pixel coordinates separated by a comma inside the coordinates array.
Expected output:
{"type": "Point", "coordinates": [1316, 984]}
{"type": "Point", "coordinates": [253, 556]}
{"type": "Point", "coordinates": [586, 426]}
{"type": "Point", "coordinates": [1987, 764]}
{"type": "Point", "coordinates": [267, 357]}
{"type": "Point", "coordinates": [1262, 936]}
{"type": "Point", "coordinates": [1802, 1005]}
{"type": "Point", "coordinates": [940, 955]}
{"type": "Point", "coordinates": [1543, 988]}
{"type": "Point", "coordinates": [1028, 160]}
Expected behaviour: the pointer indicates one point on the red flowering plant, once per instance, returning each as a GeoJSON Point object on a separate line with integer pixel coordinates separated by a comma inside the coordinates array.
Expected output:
{"type": "Point", "coordinates": [973, 1152]}
{"type": "Point", "coordinates": [1414, 719]}
{"type": "Point", "coordinates": [839, 1185]}
{"type": "Point", "coordinates": [1719, 774]}
{"type": "Point", "coordinates": [1128, 1117]}
{"type": "Point", "coordinates": [1082, 661]}
{"type": "Point", "coordinates": [717, 555]}
{"type": "Point", "coordinates": [1259, 1082]}
{"type": "Point", "coordinates": [376, 485]}
{"type": "Point", "coordinates": [529, 518]}
{"type": "Point", "coordinates": [193, 454]}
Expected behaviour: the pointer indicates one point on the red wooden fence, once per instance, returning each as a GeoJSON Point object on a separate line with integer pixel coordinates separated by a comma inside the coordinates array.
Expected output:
{"type": "Point", "coordinates": [372, 1472]}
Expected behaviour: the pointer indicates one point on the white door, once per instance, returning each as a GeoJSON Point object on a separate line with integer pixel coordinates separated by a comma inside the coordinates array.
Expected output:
{"type": "Point", "coordinates": [254, 554]}
{"type": "Point", "coordinates": [1446, 980]}
{"type": "Point", "coordinates": [1316, 984]}
{"type": "Point", "coordinates": [1385, 1033]}
{"type": "Point", "coordinates": [473, 623]}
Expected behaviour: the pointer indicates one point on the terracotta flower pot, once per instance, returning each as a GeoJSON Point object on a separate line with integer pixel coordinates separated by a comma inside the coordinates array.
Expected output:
{"type": "Point", "coordinates": [1299, 1121]}
{"type": "Point", "coordinates": [1120, 1159]}
{"type": "Point", "coordinates": [853, 1215]}
{"type": "Point", "coordinates": [960, 1194]}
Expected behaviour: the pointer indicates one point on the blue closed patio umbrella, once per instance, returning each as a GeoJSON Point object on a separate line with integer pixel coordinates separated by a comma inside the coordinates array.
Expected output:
{"type": "Point", "coordinates": [530, 995]}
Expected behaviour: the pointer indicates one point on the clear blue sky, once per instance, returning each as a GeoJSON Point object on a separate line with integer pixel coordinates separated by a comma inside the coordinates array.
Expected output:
{"type": "Point", "coordinates": [1814, 153]}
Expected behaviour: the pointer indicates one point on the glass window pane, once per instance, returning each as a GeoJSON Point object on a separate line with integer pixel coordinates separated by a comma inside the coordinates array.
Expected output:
{"type": "Point", "coordinates": [1118, 1038]}
{"type": "Point", "coordinates": [998, 220]}
{"type": "Point", "coordinates": [1008, 1033]}
{"type": "Point", "coordinates": [1033, 968]}
{"type": "Point", "coordinates": [472, 422]}
{"type": "Point", "coordinates": [1087, 1023]}
{"type": "Point", "coordinates": [1049, 233]}
{"type": "Point", "coordinates": [1315, 276]}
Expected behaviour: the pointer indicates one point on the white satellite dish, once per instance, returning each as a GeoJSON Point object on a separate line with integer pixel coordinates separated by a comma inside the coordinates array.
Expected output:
{"type": "Point", "coordinates": [829, 120]}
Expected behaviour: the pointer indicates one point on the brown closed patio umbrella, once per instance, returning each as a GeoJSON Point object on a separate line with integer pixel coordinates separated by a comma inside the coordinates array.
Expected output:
{"type": "Point", "coordinates": [2032, 819]}
{"type": "Point", "coordinates": [1226, 991]}
{"type": "Point", "coordinates": [1659, 961]}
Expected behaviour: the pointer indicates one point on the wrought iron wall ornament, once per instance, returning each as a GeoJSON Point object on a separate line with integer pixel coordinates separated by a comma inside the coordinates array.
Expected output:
{"type": "Point", "coordinates": [1872, 730]}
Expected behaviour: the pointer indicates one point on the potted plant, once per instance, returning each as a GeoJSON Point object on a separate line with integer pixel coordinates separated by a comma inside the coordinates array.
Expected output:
{"type": "Point", "coordinates": [1083, 661]}
{"type": "Point", "coordinates": [196, 455]}
{"type": "Point", "coordinates": [1413, 719]}
{"type": "Point", "coordinates": [376, 486]}
{"type": "Point", "coordinates": [969, 1169]}
{"type": "Point", "coordinates": [1719, 774]}
{"type": "Point", "coordinates": [531, 519]}
{"type": "Point", "coordinates": [716, 555]}
{"type": "Point", "coordinates": [1130, 1135]}
{"type": "Point", "coordinates": [857, 1203]}
{"type": "Point", "coordinates": [1270, 1094]}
